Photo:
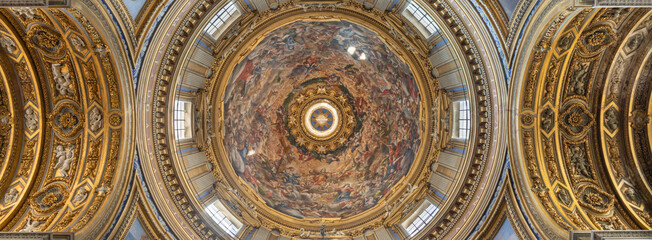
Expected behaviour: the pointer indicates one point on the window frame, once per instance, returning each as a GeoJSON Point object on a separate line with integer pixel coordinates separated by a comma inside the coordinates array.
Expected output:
{"type": "Point", "coordinates": [414, 12]}
{"type": "Point", "coordinates": [216, 212]}
{"type": "Point", "coordinates": [420, 218]}
{"type": "Point", "coordinates": [222, 19]}
{"type": "Point", "coordinates": [182, 119]}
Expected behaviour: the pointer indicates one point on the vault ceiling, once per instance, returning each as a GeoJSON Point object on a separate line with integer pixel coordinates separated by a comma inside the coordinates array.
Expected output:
{"type": "Point", "coordinates": [584, 120]}
{"type": "Point", "coordinates": [325, 119]}
{"type": "Point", "coordinates": [63, 123]}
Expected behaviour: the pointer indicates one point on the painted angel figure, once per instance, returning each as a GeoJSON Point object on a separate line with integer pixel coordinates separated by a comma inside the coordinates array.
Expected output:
{"type": "Point", "coordinates": [64, 158]}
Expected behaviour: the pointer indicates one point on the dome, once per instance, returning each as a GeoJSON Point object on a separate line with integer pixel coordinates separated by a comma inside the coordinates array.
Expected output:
{"type": "Point", "coordinates": [321, 119]}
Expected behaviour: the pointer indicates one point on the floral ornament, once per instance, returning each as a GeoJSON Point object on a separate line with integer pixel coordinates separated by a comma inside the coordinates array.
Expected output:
{"type": "Point", "coordinates": [597, 39]}
{"type": "Point", "coordinates": [49, 199]}
{"type": "Point", "coordinates": [46, 39]}
{"type": "Point", "coordinates": [576, 120]}
{"type": "Point", "coordinates": [67, 120]}
{"type": "Point", "coordinates": [594, 199]}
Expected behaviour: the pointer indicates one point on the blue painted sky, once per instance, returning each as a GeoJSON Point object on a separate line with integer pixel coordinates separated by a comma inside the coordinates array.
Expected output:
{"type": "Point", "coordinates": [134, 6]}
{"type": "Point", "coordinates": [506, 232]}
{"type": "Point", "coordinates": [509, 6]}
{"type": "Point", "coordinates": [136, 232]}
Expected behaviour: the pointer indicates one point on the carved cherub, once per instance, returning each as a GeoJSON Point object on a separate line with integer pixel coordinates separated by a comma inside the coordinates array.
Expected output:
{"type": "Point", "coordinates": [95, 120]}
{"type": "Point", "coordinates": [610, 119]}
{"type": "Point", "coordinates": [77, 43]}
{"type": "Point", "coordinates": [31, 119]}
{"type": "Point", "coordinates": [304, 233]}
{"type": "Point", "coordinates": [62, 79]}
{"type": "Point", "coordinates": [579, 77]}
{"type": "Point", "coordinates": [8, 44]}
{"type": "Point", "coordinates": [81, 195]}
{"type": "Point", "coordinates": [630, 193]}
{"type": "Point", "coordinates": [64, 158]}
{"type": "Point", "coordinates": [11, 196]}
{"type": "Point", "coordinates": [547, 119]}
{"type": "Point", "coordinates": [578, 159]}
{"type": "Point", "coordinates": [31, 226]}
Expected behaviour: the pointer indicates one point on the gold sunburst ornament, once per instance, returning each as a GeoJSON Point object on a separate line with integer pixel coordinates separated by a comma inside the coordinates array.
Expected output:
{"type": "Point", "coordinates": [320, 118]}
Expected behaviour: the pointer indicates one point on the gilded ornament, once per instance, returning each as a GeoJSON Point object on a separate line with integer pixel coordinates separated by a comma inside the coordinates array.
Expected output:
{"type": "Point", "coordinates": [67, 120]}
{"type": "Point", "coordinates": [527, 119]}
{"type": "Point", "coordinates": [65, 155]}
{"type": "Point", "coordinates": [88, 73]}
{"type": "Point", "coordinates": [31, 119]}
{"type": "Point", "coordinates": [45, 39]}
{"type": "Point", "coordinates": [565, 42]}
{"type": "Point", "coordinates": [576, 119]}
{"type": "Point", "coordinates": [8, 44]}
{"type": "Point", "coordinates": [550, 159]}
{"type": "Point", "coordinates": [93, 157]}
{"type": "Point", "coordinates": [61, 77]}
{"type": "Point", "coordinates": [579, 162]}
{"type": "Point", "coordinates": [11, 196]}
{"type": "Point", "coordinates": [547, 119]}
{"type": "Point", "coordinates": [67, 218]}
{"type": "Point", "coordinates": [49, 199]}
{"type": "Point", "coordinates": [595, 199]}
{"type": "Point", "coordinates": [115, 120]}
{"type": "Point", "coordinates": [611, 119]}
{"type": "Point", "coordinates": [27, 158]}
{"type": "Point", "coordinates": [95, 119]}
{"type": "Point", "coordinates": [564, 197]}
{"type": "Point", "coordinates": [25, 81]}
{"type": "Point", "coordinates": [31, 226]}
{"type": "Point", "coordinates": [614, 156]}
{"type": "Point", "coordinates": [616, 76]}
{"type": "Point", "coordinates": [579, 78]}
{"type": "Point", "coordinates": [596, 39]}
{"type": "Point", "coordinates": [320, 118]}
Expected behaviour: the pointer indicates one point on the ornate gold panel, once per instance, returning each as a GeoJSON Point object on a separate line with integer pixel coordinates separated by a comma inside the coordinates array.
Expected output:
{"type": "Point", "coordinates": [581, 118]}
{"type": "Point", "coordinates": [54, 107]}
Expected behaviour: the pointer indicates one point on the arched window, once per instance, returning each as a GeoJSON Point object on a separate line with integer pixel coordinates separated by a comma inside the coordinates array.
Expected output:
{"type": "Point", "coordinates": [225, 15]}
{"type": "Point", "coordinates": [420, 19]}
{"type": "Point", "coordinates": [223, 218]}
{"type": "Point", "coordinates": [461, 119]}
{"type": "Point", "coordinates": [420, 218]}
{"type": "Point", "coordinates": [182, 119]}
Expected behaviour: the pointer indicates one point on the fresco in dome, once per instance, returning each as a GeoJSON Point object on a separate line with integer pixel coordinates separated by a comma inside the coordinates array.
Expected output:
{"type": "Point", "coordinates": [380, 88]}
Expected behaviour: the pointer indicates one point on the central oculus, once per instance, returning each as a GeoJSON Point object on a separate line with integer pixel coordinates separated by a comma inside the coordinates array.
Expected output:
{"type": "Point", "coordinates": [321, 119]}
